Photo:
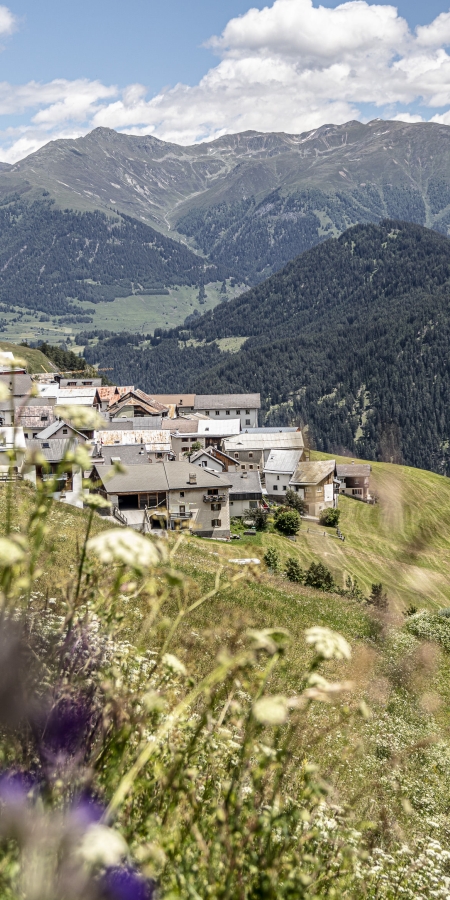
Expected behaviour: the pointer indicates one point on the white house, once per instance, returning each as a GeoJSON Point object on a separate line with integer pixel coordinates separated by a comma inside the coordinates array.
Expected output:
{"type": "Point", "coordinates": [223, 406]}
{"type": "Point", "coordinates": [278, 471]}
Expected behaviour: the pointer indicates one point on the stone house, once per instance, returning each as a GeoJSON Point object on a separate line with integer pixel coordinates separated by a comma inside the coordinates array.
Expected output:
{"type": "Point", "coordinates": [316, 483]}
{"type": "Point", "coordinates": [134, 404]}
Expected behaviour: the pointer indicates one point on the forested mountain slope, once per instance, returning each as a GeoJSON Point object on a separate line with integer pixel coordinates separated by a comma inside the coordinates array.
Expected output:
{"type": "Point", "coordinates": [252, 201]}
{"type": "Point", "coordinates": [351, 338]}
{"type": "Point", "coordinates": [50, 258]}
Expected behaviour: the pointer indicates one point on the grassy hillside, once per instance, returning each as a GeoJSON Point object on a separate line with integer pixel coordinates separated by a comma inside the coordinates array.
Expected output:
{"type": "Point", "coordinates": [350, 338]}
{"type": "Point", "coordinates": [35, 360]}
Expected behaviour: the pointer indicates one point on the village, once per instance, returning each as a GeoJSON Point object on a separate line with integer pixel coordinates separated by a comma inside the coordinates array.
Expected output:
{"type": "Point", "coordinates": [163, 462]}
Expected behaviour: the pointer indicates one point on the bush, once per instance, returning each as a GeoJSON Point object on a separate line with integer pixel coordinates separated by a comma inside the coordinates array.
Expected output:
{"type": "Point", "coordinates": [272, 559]}
{"type": "Point", "coordinates": [260, 518]}
{"type": "Point", "coordinates": [287, 521]}
{"type": "Point", "coordinates": [318, 576]}
{"type": "Point", "coordinates": [294, 571]}
{"type": "Point", "coordinates": [294, 501]}
{"type": "Point", "coordinates": [377, 598]}
{"type": "Point", "coordinates": [330, 517]}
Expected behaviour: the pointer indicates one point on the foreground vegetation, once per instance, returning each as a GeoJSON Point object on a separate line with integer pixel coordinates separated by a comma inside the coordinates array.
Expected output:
{"type": "Point", "coordinates": [188, 727]}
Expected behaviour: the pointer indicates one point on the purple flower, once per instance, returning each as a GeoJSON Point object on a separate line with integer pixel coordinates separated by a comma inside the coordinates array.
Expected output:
{"type": "Point", "coordinates": [66, 728]}
{"type": "Point", "coordinates": [15, 787]}
{"type": "Point", "coordinates": [120, 883]}
{"type": "Point", "coordinates": [86, 810]}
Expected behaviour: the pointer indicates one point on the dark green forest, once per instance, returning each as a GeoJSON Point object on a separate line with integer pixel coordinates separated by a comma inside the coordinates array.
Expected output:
{"type": "Point", "coordinates": [251, 241]}
{"type": "Point", "coordinates": [351, 338]}
{"type": "Point", "coordinates": [50, 257]}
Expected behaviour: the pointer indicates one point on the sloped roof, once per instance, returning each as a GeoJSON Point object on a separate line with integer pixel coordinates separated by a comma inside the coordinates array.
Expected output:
{"type": "Point", "coordinates": [226, 401]}
{"type": "Point", "coordinates": [19, 384]}
{"type": "Point", "coordinates": [31, 416]}
{"type": "Point", "coordinates": [128, 454]}
{"type": "Point", "coordinates": [241, 483]}
{"type": "Point", "coordinates": [313, 472]}
{"type": "Point", "coordinates": [158, 439]}
{"type": "Point", "coordinates": [182, 425]}
{"type": "Point", "coordinates": [162, 476]}
{"type": "Point", "coordinates": [55, 426]}
{"type": "Point", "coordinates": [111, 393]}
{"type": "Point", "coordinates": [175, 399]}
{"type": "Point", "coordinates": [283, 461]}
{"type": "Point", "coordinates": [271, 429]}
{"type": "Point", "coordinates": [67, 393]}
{"type": "Point", "coordinates": [284, 441]}
{"type": "Point", "coordinates": [199, 453]}
{"type": "Point", "coordinates": [218, 427]}
{"type": "Point", "coordinates": [56, 450]}
{"type": "Point", "coordinates": [138, 398]}
{"type": "Point", "coordinates": [353, 470]}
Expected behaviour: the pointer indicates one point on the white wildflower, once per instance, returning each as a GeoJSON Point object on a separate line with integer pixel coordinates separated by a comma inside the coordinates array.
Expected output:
{"type": "Point", "coordinates": [328, 644]}
{"type": "Point", "coordinates": [102, 846]}
{"type": "Point", "coordinates": [127, 547]}
{"type": "Point", "coordinates": [96, 501]}
{"type": "Point", "coordinates": [271, 710]}
{"type": "Point", "coordinates": [172, 662]}
{"type": "Point", "coordinates": [80, 416]}
{"type": "Point", "coordinates": [11, 362]}
{"type": "Point", "coordinates": [5, 393]}
{"type": "Point", "coordinates": [11, 553]}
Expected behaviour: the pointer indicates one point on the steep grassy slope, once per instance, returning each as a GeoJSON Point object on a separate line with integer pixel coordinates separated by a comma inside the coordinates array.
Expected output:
{"type": "Point", "coordinates": [35, 360]}
{"type": "Point", "coordinates": [351, 338]}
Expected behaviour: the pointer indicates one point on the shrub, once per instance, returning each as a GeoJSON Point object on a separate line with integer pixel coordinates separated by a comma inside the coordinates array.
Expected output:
{"type": "Point", "coordinates": [294, 501]}
{"type": "Point", "coordinates": [294, 571]}
{"type": "Point", "coordinates": [272, 559]}
{"type": "Point", "coordinates": [330, 517]}
{"type": "Point", "coordinates": [318, 576]}
{"type": "Point", "coordinates": [259, 517]}
{"type": "Point", "coordinates": [377, 598]}
{"type": "Point", "coordinates": [287, 521]}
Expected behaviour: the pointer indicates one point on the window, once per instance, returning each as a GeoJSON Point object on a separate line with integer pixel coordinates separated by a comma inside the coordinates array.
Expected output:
{"type": "Point", "coordinates": [216, 507]}
{"type": "Point", "coordinates": [184, 449]}
{"type": "Point", "coordinates": [253, 504]}
{"type": "Point", "coordinates": [243, 466]}
{"type": "Point", "coordinates": [275, 487]}
{"type": "Point", "coordinates": [238, 412]}
{"type": "Point", "coordinates": [357, 491]}
{"type": "Point", "coordinates": [46, 446]}
{"type": "Point", "coordinates": [182, 510]}
{"type": "Point", "coordinates": [231, 502]}
{"type": "Point", "coordinates": [247, 421]}
{"type": "Point", "coordinates": [181, 493]}
{"type": "Point", "coordinates": [236, 455]}
{"type": "Point", "coordinates": [206, 412]}
{"type": "Point", "coordinates": [284, 487]}
{"type": "Point", "coordinates": [26, 434]}
{"type": "Point", "coordinates": [216, 523]}
{"type": "Point", "coordinates": [34, 434]}
{"type": "Point", "coordinates": [44, 418]}
{"type": "Point", "coordinates": [217, 412]}
{"type": "Point", "coordinates": [250, 466]}
{"type": "Point", "coordinates": [227, 412]}
{"type": "Point", "coordinates": [212, 492]}
{"type": "Point", "coordinates": [64, 430]}
{"type": "Point", "coordinates": [250, 455]}
{"type": "Point", "coordinates": [319, 490]}
{"type": "Point", "coordinates": [278, 477]}
{"type": "Point", "coordinates": [247, 412]}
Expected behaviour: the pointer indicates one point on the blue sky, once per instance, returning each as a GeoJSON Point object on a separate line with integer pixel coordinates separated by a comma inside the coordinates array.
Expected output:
{"type": "Point", "coordinates": [67, 67]}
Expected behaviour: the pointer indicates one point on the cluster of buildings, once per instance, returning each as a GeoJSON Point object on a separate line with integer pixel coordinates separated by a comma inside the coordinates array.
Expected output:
{"type": "Point", "coordinates": [165, 461]}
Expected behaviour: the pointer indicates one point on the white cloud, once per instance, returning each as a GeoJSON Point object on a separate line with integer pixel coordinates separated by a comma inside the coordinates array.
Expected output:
{"type": "Point", "coordinates": [291, 66]}
{"type": "Point", "coordinates": [8, 22]}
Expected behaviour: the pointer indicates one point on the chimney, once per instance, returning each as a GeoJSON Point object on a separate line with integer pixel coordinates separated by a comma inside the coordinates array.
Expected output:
{"type": "Point", "coordinates": [192, 478]}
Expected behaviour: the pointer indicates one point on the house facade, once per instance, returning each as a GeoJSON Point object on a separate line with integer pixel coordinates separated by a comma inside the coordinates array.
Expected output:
{"type": "Point", "coordinates": [245, 492]}
{"type": "Point", "coordinates": [245, 407]}
{"type": "Point", "coordinates": [252, 450]}
{"type": "Point", "coordinates": [278, 471]}
{"type": "Point", "coordinates": [316, 484]}
{"type": "Point", "coordinates": [69, 477]}
{"type": "Point", "coordinates": [354, 480]}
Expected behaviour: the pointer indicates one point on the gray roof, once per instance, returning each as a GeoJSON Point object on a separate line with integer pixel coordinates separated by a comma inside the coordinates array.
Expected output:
{"type": "Point", "coordinates": [20, 385]}
{"type": "Point", "coordinates": [181, 424]}
{"type": "Point", "coordinates": [271, 429]}
{"type": "Point", "coordinates": [54, 427]}
{"type": "Point", "coordinates": [248, 485]}
{"type": "Point", "coordinates": [243, 441]}
{"type": "Point", "coordinates": [313, 472]}
{"type": "Point", "coordinates": [163, 476]}
{"type": "Point", "coordinates": [128, 454]}
{"type": "Point", "coordinates": [56, 450]}
{"type": "Point", "coordinates": [80, 382]}
{"type": "Point", "coordinates": [283, 461]}
{"type": "Point", "coordinates": [226, 401]}
{"type": "Point", "coordinates": [353, 470]}
{"type": "Point", "coordinates": [139, 422]}
{"type": "Point", "coordinates": [199, 453]}
{"type": "Point", "coordinates": [32, 416]}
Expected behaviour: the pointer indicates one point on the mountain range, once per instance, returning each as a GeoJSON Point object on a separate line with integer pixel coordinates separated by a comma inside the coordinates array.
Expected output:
{"type": "Point", "coordinates": [249, 202]}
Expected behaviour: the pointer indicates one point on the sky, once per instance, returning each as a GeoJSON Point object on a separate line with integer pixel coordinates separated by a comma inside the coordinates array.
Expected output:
{"type": "Point", "coordinates": [190, 71]}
